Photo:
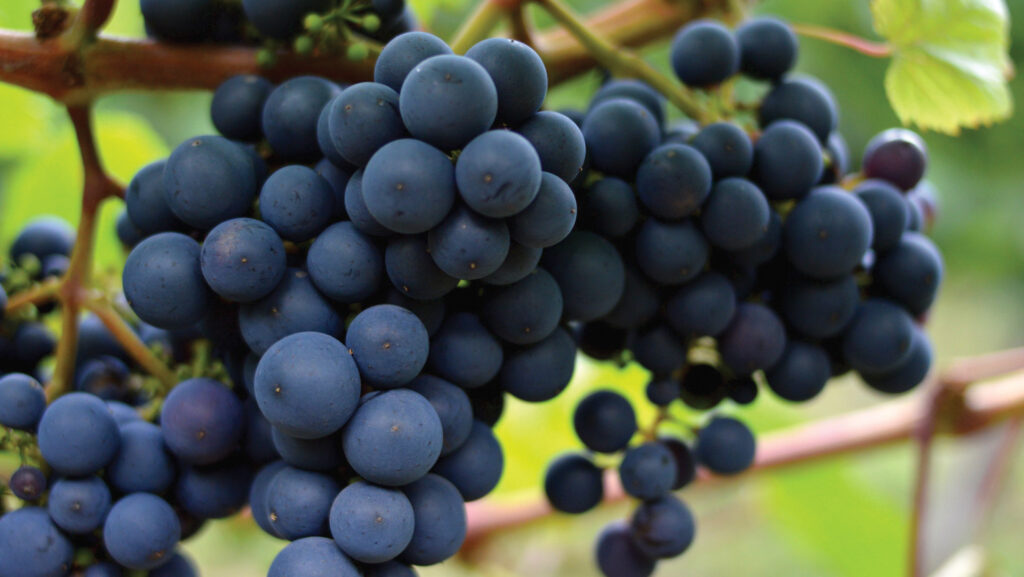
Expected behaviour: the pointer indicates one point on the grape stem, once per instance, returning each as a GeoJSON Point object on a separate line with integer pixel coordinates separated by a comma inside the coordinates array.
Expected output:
{"type": "Point", "coordinates": [38, 294]}
{"type": "Point", "coordinates": [854, 42]}
{"type": "Point", "coordinates": [623, 62]}
{"type": "Point", "coordinates": [484, 19]}
{"type": "Point", "coordinates": [126, 336]}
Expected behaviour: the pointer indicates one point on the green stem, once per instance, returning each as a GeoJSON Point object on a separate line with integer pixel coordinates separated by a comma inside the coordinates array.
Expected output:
{"type": "Point", "coordinates": [624, 63]}
{"type": "Point", "coordinates": [138, 350]}
{"type": "Point", "coordinates": [478, 26]}
{"type": "Point", "coordinates": [44, 292]}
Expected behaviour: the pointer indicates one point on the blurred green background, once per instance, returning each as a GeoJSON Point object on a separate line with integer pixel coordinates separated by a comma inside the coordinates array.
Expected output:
{"type": "Point", "coordinates": [845, 517]}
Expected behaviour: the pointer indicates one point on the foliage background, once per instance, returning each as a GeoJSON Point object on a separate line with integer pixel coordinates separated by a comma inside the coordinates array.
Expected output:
{"type": "Point", "coordinates": [841, 518]}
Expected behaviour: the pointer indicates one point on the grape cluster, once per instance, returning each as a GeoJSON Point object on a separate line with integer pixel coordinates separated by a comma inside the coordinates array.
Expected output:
{"type": "Point", "coordinates": [365, 260]}
{"type": "Point", "coordinates": [725, 259]}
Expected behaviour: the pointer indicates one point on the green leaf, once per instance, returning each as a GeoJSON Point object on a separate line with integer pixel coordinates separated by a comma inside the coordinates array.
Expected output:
{"type": "Point", "coordinates": [950, 63]}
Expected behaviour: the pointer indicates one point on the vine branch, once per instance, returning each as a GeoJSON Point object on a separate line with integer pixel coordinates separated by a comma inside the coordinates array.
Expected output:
{"type": "Point", "coordinates": [126, 336]}
{"type": "Point", "coordinates": [845, 39]}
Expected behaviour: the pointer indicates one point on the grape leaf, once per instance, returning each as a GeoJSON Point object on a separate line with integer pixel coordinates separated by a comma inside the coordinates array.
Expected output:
{"type": "Point", "coordinates": [950, 63]}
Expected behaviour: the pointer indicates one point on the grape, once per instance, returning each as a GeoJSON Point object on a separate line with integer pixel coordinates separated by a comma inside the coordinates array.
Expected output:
{"type": "Point", "coordinates": [258, 443]}
{"type": "Point", "coordinates": [42, 237]}
{"type": "Point", "coordinates": [79, 506]}
{"type": "Point", "coordinates": [237, 107]}
{"type": "Point", "coordinates": [686, 464]}
{"type": "Point", "coordinates": [469, 246]}
{"type": "Point", "coordinates": [371, 524]}
{"type": "Point", "coordinates": [281, 19]}
{"type": "Point", "coordinates": [141, 531]}
{"type": "Point", "coordinates": [105, 377]}
{"type": "Point", "coordinates": [408, 186]}
{"type": "Point", "coordinates": [601, 341]}
{"type": "Point", "coordinates": [839, 153]}
{"type": "Point", "coordinates": [804, 100]}
{"type": "Point", "coordinates": [183, 21]}
{"type": "Point", "coordinates": [911, 273]}
{"type": "Point", "coordinates": [440, 521]}
{"type": "Point", "coordinates": [28, 483]}
{"type": "Point", "coordinates": [898, 156]}
{"type": "Point", "coordinates": [323, 138]}
{"type": "Point", "coordinates": [464, 352]}
{"type": "Point", "coordinates": [632, 89]}
{"type": "Point", "coordinates": [95, 340]}
{"type": "Point", "coordinates": [22, 401]}
{"type": "Point", "coordinates": [146, 203]}
{"type": "Point", "coordinates": [143, 463]}
{"type": "Point", "coordinates": [363, 119]}
{"type": "Point", "coordinates": [400, 56]}
{"type": "Point", "coordinates": [703, 306]}
{"type": "Point", "coordinates": [540, 372]}
{"type": "Point", "coordinates": [648, 471]}
{"type": "Point", "coordinates": [201, 421]}
{"type": "Point", "coordinates": [258, 495]}
{"type": "Point", "coordinates": [312, 557]}
{"type": "Point", "coordinates": [518, 74]}
{"type": "Point", "coordinates": [453, 408]}
{"type": "Point", "coordinates": [801, 373]}
{"type": "Point", "coordinates": [590, 273]}
{"type": "Point", "coordinates": [605, 422]}
{"type": "Point", "coordinates": [163, 281]}
{"type": "Point", "coordinates": [355, 206]}
{"type": "Point", "coordinates": [123, 414]}
{"type": "Point", "coordinates": [736, 215]}
{"type": "Point", "coordinates": [390, 346]}
{"type": "Point", "coordinates": [673, 181]}
{"type": "Point", "coordinates": [573, 484]}
{"type": "Point", "coordinates": [295, 306]}
{"type": "Point", "coordinates": [909, 373]}
{"type": "Point", "coordinates": [787, 160]}
{"type": "Point", "coordinates": [31, 546]}
{"type": "Point", "coordinates": [520, 262]}
{"type": "Point", "coordinates": [639, 303]}
{"type": "Point", "coordinates": [474, 468]}
{"type": "Point", "coordinates": [727, 148]}
{"type": "Point", "coordinates": [768, 48]}
{"type": "Point", "coordinates": [662, 391]}
{"type": "Point", "coordinates": [214, 491]}
{"type": "Point", "coordinates": [659, 350]}
{"type": "Point", "coordinates": [178, 566]}
{"type": "Point", "coordinates": [915, 215]}
{"type": "Point", "coordinates": [338, 179]}
{"type": "Point", "coordinates": [430, 312]}
{"type": "Point", "coordinates": [77, 435]}
{"type": "Point", "coordinates": [299, 503]}
{"type": "Point", "coordinates": [242, 259]}
{"type": "Point", "coordinates": [498, 174]}
{"type": "Point", "coordinates": [447, 100]}
{"type": "Point", "coordinates": [310, 454]}
{"type": "Point", "coordinates": [525, 312]}
{"type": "Point", "coordinates": [703, 387]}
{"type": "Point", "coordinates": [889, 212]}
{"type": "Point", "coordinates": [488, 403]}
{"type": "Point", "coordinates": [619, 134]}
{"type": "Point", "coordinates": [412, 270]}
{"type": "Point", "coordinates": [828, 233]}
{"type": "Point", "coordinates": [389, 569]}
{"type": "Point", "coordinates": [307, 385]}
{"type": "Point", "coordinates": [394, 438]}
{"type": "Point", "coordinates": [297, 203]}
{"type": "Point", "coordinates": [820, 309]}
{"type": "Point", "coordinates": [609, 208]}
{"type": "Point", "coordinates": [742, 390]}
{"type": "Point", "coordinates": [664, 528]}
{"type": "Point", "coordinates": [32, 343]}
{"type": "Point", "coordinates": [549, 219]}
{"type": "Point", "coordinates": [681, 132]}
{"type": "Point", "coordinates": [879, 338]}
{"type": "Point", "coordinates": [103, 570]}
{"type": "Point", "coordinates": [207, 180]}
{"type": "Point", "coordinates": [755, 339]}
{"type": "Point", "coordinates": [618, 555]}
{"type": "Point", "coordinates": [671, 253]}
{"type": "Point", "coordinates": [345, 264]}
{"type": "Point", "coordinates": [388, 9]}
{"type": "Point", "coordinates": [725, 446]}
{"type": "Point", "coordinates": [705, 53]}
{"type": "Point", "coordinates": [292, 113]}
{"type": "Point", "coordinates": [558, 141]}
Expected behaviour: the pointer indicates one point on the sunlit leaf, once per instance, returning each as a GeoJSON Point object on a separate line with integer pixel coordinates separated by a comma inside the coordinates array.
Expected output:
{"type": "Point", "coordinates": [950, 64]}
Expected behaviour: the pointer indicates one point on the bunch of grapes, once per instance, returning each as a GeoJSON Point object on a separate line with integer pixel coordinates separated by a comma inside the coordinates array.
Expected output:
{"type": "Point", "coordinates": [727, 258]}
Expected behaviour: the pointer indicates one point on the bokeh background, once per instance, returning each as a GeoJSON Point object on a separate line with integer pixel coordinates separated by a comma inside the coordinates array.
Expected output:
{"type": "Point", "coordinates": [843, 517]}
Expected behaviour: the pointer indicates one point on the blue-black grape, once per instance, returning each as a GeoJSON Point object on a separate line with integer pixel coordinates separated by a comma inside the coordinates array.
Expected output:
{"type": "Point", "coordinates": [337, 178]}
{"type": "Point", "coordinates": [207, 180]}
{"type": "Point", "coordinates": [390, 345]}
{"type": "Point", "coordinates": [520, 262]}
{"type": "Point", "coordinates": [498, 174]}
{"type": "Point", "coordinates": [673, 181]}
{"type": "Point", "coordinates": [295, 306]}
{"type": "Point", "coordinates": [146, 203]}
{"type": "Point", "coordinates": [412, 270]}
{"type": "Point", "coordinates": [141, 531]}
{"type": "Point", "coordinates": [447, 100]}
{"type": "Point", "coordinates": [77, 435]}
{"type": "Point", "coordinates": [32, 546]}
{"type": "Point", "coordinates": [659, 349]}
{"type": "Point", "coordinates": [22, 401]}
{"type": "Point", "coordinates": [619, 134]}
{"type": "Point", "coordinates": [178, 566]}
{"type": "Point", "coordinates": [79, 506]}
{"type": "Point", "coordinates": [539, 372]}
{"type": "Point", "coordinates": [281, 19]}
{"type": "Point", "coordinates": [313, 557]}
{"type": "Point", "coordinates": [408, 186]}
{"type": "Point", "coordinates": [202, 421]}
{"type": "Point", "coordinates": [618, 554]}
{"type": "Point", "coordinates": [42, 237]}
{"type": "Point", "coordinates": [292, 113]}
{"type": "Point", "coordinates": [648, 471]}
{"type": "Point", "coordinates": [549, 218]}
{"type": "Point", "coordinates": [703, 306]}
{"type": "Point", "coordinates": [362, 119]}
{"type": "Point", "coordinates": [297, 203]}
{"type": "Point", "coordinates": [802, 372]}
{"type": "Point", "coordinates": [400, 56]}
{"type": "Point", "coordinates": [518, 74]}
{"type": "Point", "coordinates": [768, 48]}
{"type": "Point", "coordinates": [889, 212]}
{"type": "Point", "coordinates": [525, 312]}
{"type": "Point", "coordinates": [558, 141]}
{"type": "Point", "coordinates": [475, 468]}
{"type": "Point", "coordinates": [664, 528]}
{"type": "Point", "coordinates": [705, 53]}
{"type": "Point", "coordinates": [371, 524]}
{"type": "Point", "coordinates": [879, 338]}
{"type": "Point", "coordinates": [242, 259]}
{"type": "Point", "coordinates": [911, 273]}
{"type": "Point", "coordinates": [671, 253]}
{"type": "Point", "coordinates": [787, 160]}
{"type": "Point", "coordinates": [186, 21]}
{"type": "Point", "coordinates": [725, 446]}
{"type": "Point", "coordinates": [898, 156]}
{"type": "Point", "coordinates": [703, 387]}
{"type": "Point", "coordinates": [465, 352]}
{"type": "Point", "coordinates": [440, 521]}
{"type": "Point", "coordinates": [640, 302]}
{"type": "Point", "coordinates": [163, 281]}
{"type": "Point", "coordinates": [755, 339]}
{"type": "Point", "coordinates": [828, 233]}
{"type": "Point", "coordinates": [345, 264]}
{"type": "Point", "coordinates": [143, 464]}
{"type": "Point", "coordinates": [820, 309]}
{"type": "Point", "coordinates": [605, 422]}
{"type": "Point", "coordinates": [804, 100]}
{"type": "Point", "coordinates": [307, 385]}
{"type": "Point", "coordinates": [214, 491]}
{"type": "Point", "coordinates": [237, 107]}
{"type": "Point", "coordinates": [323, 454]}
{"type": "Point", "coordinates": [453, 408]}
{"type": "Point", "coordinates": [736, 215]}
{"type": "Point", "coordinates": [27, 483]}
{"type": "Point", "coordinates": [469, 246]}
{"type": "Point", "coordinates": [299, 502]}
{"type": "Point", "coordinates": [574, 484]}
{"type": "Point", "coordinates": [727, 148]}
{"type": "Point", "coordinates": [632, 89]}
{"type": "Point", "coordinates": [686, 463]}
{"type": "Point", "coordinates": [258, 495]}
{"type": "Point", "coordinates": [743, 390]}
{"type": "Point", "coordinates": [909, 373]}
{"type": "Point", "coordinates": [610, 208]}
{"type": "Point", "coordinates": [590, 272]}
{"type": "Point", "coordinates": [662, 391]}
